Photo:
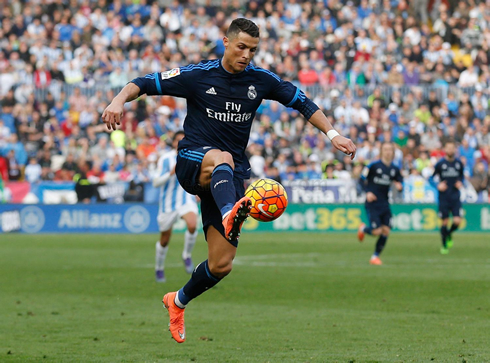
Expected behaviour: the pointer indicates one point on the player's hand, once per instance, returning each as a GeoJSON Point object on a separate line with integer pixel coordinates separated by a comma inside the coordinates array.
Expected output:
{"type": "Point", "coordinates": [370, 197]}
{"type": "Point", "coordinates": [345, 145]}
{"type": "Point", "coordinates": [112, 115]}
{"type": "Point", "coordinates": [458, 184]}
{"type": "Point", "coordinates": [442, 186]}
{"type": "Point", "coordinates": [398, 186]}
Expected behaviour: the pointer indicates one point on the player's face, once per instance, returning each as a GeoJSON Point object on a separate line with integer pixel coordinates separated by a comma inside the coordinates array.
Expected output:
{"type": "Point", "coordinates": [450, 149]}
{"type": "Point", "coordinates": [239, 51]}
{"type": "Point", "coordinates": [387, 152]}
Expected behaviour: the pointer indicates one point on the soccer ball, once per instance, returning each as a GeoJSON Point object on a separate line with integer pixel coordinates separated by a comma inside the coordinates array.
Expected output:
{"type": "Point", "coordinates": [269, 199]}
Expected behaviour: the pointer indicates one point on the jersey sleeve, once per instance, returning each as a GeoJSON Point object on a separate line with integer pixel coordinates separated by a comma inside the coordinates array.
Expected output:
{"type": "Point", "coordinates": [461, 172]}
{"type": "Point", "coordinates": [364, 180]}
{"type": "Point", "coordinates": [437, 170]}
{"type": "Point", "coordinates": [170, 83]}
{"type": "Point", "coordinates": [435, 175]}
{"type": "Point", "coordinates": [365, 172]}
{"type": "Point", "coordinates": [398, 176]}
{"type": "Point", "coordinates": [163, 172]}
{"type": "Point", "coordinates": [291, 96]}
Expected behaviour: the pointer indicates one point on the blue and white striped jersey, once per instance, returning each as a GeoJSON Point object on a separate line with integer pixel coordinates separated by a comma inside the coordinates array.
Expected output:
{"type": "Point", "coordinates": [172, 195]}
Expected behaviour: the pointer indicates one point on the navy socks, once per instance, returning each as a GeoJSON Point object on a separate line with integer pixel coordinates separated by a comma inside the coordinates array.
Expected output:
{"type": "Point", "coordinates": [454, 227]}
{"type": "Point", "coordinates": [444, 233]}
{"type": "Point", "coordinates": [201, 280]}
{"type": "Point", "coordinates": [380, 245]}
{"type": "Point", "coordinates": [222, 187]}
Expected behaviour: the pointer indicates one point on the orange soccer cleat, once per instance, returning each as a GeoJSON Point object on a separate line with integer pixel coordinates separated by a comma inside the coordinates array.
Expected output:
{"type": "Point", "coordinates": [234, 220]}
{"type": "Point", "coordinates": [176, 314]}
{"type": "Point", "coordinates": [375, 261]}
{"type": "Point", "coordinates": [360, 232]}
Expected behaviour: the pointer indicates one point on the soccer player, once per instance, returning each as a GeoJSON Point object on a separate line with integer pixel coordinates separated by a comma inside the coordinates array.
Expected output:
{"type": "Point", "coordinates": [376, 180]}
{"type": "Point", "coordinates": [449, 172]}
{"type": "Point", "coordinates": [222, 98]}
{"type": "Point", "coordinates": [174, 203]}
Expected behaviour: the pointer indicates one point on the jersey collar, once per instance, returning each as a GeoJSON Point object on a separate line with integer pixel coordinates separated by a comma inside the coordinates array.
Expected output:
{"type": "Point", "coordinates": [234, 74]}
{"type": "Point", "coordinates": [222, 67]}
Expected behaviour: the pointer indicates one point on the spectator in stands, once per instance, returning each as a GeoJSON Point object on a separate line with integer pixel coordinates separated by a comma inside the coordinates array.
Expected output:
{"type": "Point", "coordinates": [14, 169]}
{"type": "Point", "coordinates": [118, 79]}
{"type": "Point", "coordinates": [467, 152]}
{"type": "Point", "coordinates": [468, 78]}
{"type": "Point", "coordinates": [479, 180]}
{"type": "Point", "coordinates": [355, 76]}
{"type": "Point", "coordinates": [411, 75]}
{"type": "Point", "coordinates": [111, 175]}
{"type": "Point", "coordinates": [18, 150]}
{"type": "Point", "coordinates": [33, 171]}
{"type": "Point", "coordinates": [307, 76]}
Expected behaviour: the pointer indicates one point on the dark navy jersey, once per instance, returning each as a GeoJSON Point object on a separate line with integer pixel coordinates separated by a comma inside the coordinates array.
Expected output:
{"type": "Point", "coordinates": [221, 106]}
{"type": "Point", "coordinates": [451, 172]}
{"type": "Point", "coordinates": [377, 178]}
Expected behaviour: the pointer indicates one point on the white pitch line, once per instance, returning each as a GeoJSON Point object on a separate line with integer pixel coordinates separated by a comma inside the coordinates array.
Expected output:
{"type": "Point", "coordinates": [280, 260]}
{"type": "Point", "coordinates": [280, 256]}
{"type": "Point", "coordinates": [306, 260]}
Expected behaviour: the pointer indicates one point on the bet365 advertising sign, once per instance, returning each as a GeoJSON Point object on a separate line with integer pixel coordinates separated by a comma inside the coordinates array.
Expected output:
{"type": "Point", "coordinates": [347, 218]}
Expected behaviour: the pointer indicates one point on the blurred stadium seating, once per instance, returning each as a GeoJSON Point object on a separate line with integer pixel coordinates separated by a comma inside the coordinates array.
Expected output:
{"type": "Point", "coordinates": [381, 70]}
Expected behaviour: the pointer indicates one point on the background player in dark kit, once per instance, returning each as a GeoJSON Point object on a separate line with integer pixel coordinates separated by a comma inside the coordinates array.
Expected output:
{"type": "Point", "coordinates": [376, 180]}
{"type": "Point", "coordinates": [449, 172]}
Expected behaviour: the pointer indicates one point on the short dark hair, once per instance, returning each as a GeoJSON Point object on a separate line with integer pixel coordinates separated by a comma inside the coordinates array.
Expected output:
{"type": "Point", "coordinates": [387, 143]}
{"type": "Point", "coordinates": [242, 25]}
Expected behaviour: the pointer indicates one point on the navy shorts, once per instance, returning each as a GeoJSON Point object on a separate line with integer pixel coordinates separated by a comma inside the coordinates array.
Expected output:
{"type": "Point", "coordinates": [450, 207]}
{"type": "Point", "coordinates": [187, 171]}
{"type": "Point", "coordinates": [378, 216]}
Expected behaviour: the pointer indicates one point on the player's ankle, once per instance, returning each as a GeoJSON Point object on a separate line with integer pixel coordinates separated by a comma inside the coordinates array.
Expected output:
{"type": "Point", "coordinates": [226, 214]}
{"type": "Point", "coordinates": [178, 301]}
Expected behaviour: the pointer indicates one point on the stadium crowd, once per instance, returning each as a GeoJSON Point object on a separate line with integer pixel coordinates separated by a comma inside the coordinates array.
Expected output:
{"type": "Point", "coordinates": [412, 72]}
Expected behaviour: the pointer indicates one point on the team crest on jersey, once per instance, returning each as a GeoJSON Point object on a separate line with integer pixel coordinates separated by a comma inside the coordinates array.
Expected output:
{"type": "Point", "coordinates": [252, 93]}
{"type": "Point", "coordinates": [171, 73]}
{"type": "Point", "coordinates": [379, 171]}
{"type": "Point", "coordinates": [392, 172]}
{"type": "Point", "coordinates": [444, 166]}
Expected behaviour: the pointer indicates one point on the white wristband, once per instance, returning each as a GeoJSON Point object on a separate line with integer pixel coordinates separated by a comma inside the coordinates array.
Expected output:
{"type": "Point", "coordinates": [332, 133]}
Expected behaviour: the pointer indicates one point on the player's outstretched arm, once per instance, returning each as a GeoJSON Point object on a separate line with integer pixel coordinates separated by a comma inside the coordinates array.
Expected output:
{"type": "Point", "coordinates": [113, 113]}
{"type": "Point", "coordinates": [320, 121]}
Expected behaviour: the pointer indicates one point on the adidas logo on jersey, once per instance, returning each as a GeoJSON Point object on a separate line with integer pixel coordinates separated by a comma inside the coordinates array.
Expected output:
{"type": "Point", "coordinates": [211, 91]}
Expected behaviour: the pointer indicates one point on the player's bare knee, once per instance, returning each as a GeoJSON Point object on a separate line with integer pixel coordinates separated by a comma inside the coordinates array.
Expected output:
{"type": "Point", "coordinates": [456, 221]}
{"type": "Point", "coordinates": [225, 157]}
{"type": "Point", "coordinates": [376, 231]}
{"type": "Point", "coordinates": [220, 269]}
{"type": "Point", "coordinates": [165, 238]}
{"type": "Point", "coordinates": [386, 231]}
{"type": "Point", "coordinates": [191, 227]}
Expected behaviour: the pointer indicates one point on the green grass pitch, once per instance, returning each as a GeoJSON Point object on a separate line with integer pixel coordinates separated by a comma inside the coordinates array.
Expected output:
{"type": "Point", "coordinates": [291, 298]}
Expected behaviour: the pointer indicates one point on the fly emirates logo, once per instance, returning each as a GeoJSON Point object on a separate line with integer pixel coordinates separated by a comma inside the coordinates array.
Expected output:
{"type": "Point", "coordinates": [232, 113]}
